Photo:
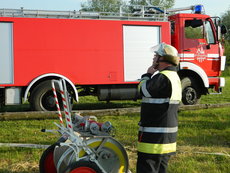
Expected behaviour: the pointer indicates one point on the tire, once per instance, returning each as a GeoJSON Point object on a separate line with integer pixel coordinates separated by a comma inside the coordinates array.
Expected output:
{"type": "Point", "coordinates": [46, 163]}
{"type": "Point", "coordinates": [190, 91]}
{"type": "Point", "coordinates": [83, 167]}
{"type": "Point", "coordinates": [42, 97]}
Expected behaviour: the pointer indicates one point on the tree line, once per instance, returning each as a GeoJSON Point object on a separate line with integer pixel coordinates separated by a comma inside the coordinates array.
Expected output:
{"type": "Point", "coordinates": [226, 21]}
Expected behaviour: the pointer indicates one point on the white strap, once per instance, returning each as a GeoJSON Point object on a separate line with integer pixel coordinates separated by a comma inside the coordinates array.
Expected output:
{"type": "Point", "coordinates": [155, 100]}
{"type": "Point", "coordinates": [144, 89]}
{"type": "Point", "coordinates": [159, 100]}
{"type": "Point", "coordinates": [158, 129]}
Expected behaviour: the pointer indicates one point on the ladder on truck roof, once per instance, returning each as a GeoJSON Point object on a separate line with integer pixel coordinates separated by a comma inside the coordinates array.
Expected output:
{"type": "Point", "coordinates": [124, 12]}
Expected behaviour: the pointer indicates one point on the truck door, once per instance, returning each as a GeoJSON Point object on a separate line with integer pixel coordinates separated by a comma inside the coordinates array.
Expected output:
{"type": "Point", "coordinates": [6, 53]}
{"type": "Point", "coordinates": [201, 46]}
{"type": "Point", "coordinates": [137, 55]}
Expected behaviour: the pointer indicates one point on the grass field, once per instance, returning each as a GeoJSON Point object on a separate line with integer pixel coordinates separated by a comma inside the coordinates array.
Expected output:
{"type": "Point", "coordinates": [205, 131]}
{"type": "Point", "coordinates": [203, 138]}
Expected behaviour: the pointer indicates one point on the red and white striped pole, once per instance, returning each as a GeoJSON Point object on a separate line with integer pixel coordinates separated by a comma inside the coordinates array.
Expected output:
{"type": "Point", "coordinates": [64, 94]}
{"type": "Point", "coordinates": [56, 101]}
{"type": "Point", "coordinates": [65, 100]}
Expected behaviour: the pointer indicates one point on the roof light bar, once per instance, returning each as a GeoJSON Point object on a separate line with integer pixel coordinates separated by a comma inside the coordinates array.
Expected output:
{"type": "Point", "coordinates": [198, 9]}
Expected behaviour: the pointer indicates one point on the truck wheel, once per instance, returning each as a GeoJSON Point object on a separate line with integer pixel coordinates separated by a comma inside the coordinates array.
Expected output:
{"type": "Point", "coordinates": [42, 97]}
{"type": "Point", "coordinates": [190, 91]}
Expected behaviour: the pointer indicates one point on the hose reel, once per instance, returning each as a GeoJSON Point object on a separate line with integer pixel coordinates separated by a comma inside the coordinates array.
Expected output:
{"type": "Point", "coordinates": [84, 144]}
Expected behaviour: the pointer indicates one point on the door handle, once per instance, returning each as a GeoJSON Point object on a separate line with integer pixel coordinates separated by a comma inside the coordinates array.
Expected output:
{"type": "Point", "coordinates": [187, 50]}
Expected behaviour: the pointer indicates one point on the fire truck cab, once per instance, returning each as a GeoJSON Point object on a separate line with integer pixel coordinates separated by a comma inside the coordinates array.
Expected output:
{"type": "Point", "coordinates": [197, 39]}
{"type": "Point", "coordinates": [103, 54]}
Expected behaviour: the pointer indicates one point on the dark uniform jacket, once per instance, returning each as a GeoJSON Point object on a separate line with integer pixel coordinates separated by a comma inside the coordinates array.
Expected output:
{"type": "Point", "coordinates": [161, 94]}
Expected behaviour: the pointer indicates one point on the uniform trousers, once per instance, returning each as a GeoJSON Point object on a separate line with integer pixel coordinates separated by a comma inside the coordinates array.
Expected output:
{"type": "Point", "coordinates": [152, 163]}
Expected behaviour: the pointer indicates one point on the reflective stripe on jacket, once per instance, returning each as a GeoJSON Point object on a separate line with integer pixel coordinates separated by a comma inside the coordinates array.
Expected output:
{"type": "Point", "coordinates": [160, 101]}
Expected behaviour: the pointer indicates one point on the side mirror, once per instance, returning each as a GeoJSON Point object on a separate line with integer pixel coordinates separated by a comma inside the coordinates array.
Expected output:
{"type": "Point", "coordinates": [223, 29]}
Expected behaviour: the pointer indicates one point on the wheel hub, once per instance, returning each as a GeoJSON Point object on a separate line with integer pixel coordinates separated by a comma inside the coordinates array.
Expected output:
{"type": "Point", "coordinates": [190, 95]}
{"type": "Point", "coordinates": [48, 101]}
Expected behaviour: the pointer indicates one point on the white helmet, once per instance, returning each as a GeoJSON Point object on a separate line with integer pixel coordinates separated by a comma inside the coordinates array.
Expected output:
{"type": "Point", "coordinates": [168, 52]}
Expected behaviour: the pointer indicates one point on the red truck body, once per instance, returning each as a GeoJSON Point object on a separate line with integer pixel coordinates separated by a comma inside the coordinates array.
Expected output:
{"type": "Point", "coordinates": [88, 52]}
{"type": "Point", "coordinates": [108, 55]}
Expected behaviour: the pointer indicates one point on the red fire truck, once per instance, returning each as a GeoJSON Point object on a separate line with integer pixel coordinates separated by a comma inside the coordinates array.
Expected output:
{"type": "Point", "coordinates": [103, 54]}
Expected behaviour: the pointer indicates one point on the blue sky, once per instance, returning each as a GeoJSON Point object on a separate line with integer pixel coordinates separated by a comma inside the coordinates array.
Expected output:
{"type": "Point", "coordinates": [212, 7]}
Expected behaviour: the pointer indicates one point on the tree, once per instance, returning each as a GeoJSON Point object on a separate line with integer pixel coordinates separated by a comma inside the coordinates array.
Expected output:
{"type": "Point", "coordinates": [226, 22]}
{"type": "Point", "coordinates": [101, 5]}
{"type": "Point", "coordinates": [161, 3]}
{"type": "Point", "coordinates": [113, 5]}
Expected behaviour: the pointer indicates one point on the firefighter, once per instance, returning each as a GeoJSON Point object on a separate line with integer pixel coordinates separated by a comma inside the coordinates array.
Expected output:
{"type": "Point", "coordinates": [161, 94]}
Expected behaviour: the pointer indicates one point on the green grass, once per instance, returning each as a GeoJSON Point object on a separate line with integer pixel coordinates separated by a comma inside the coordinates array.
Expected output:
{"type": "Point", "coordinates": [226, 72]}
{"type": "Point", "coordinates": [206, 126]}
{"type": "Point", "coordinates": [206, 131]}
